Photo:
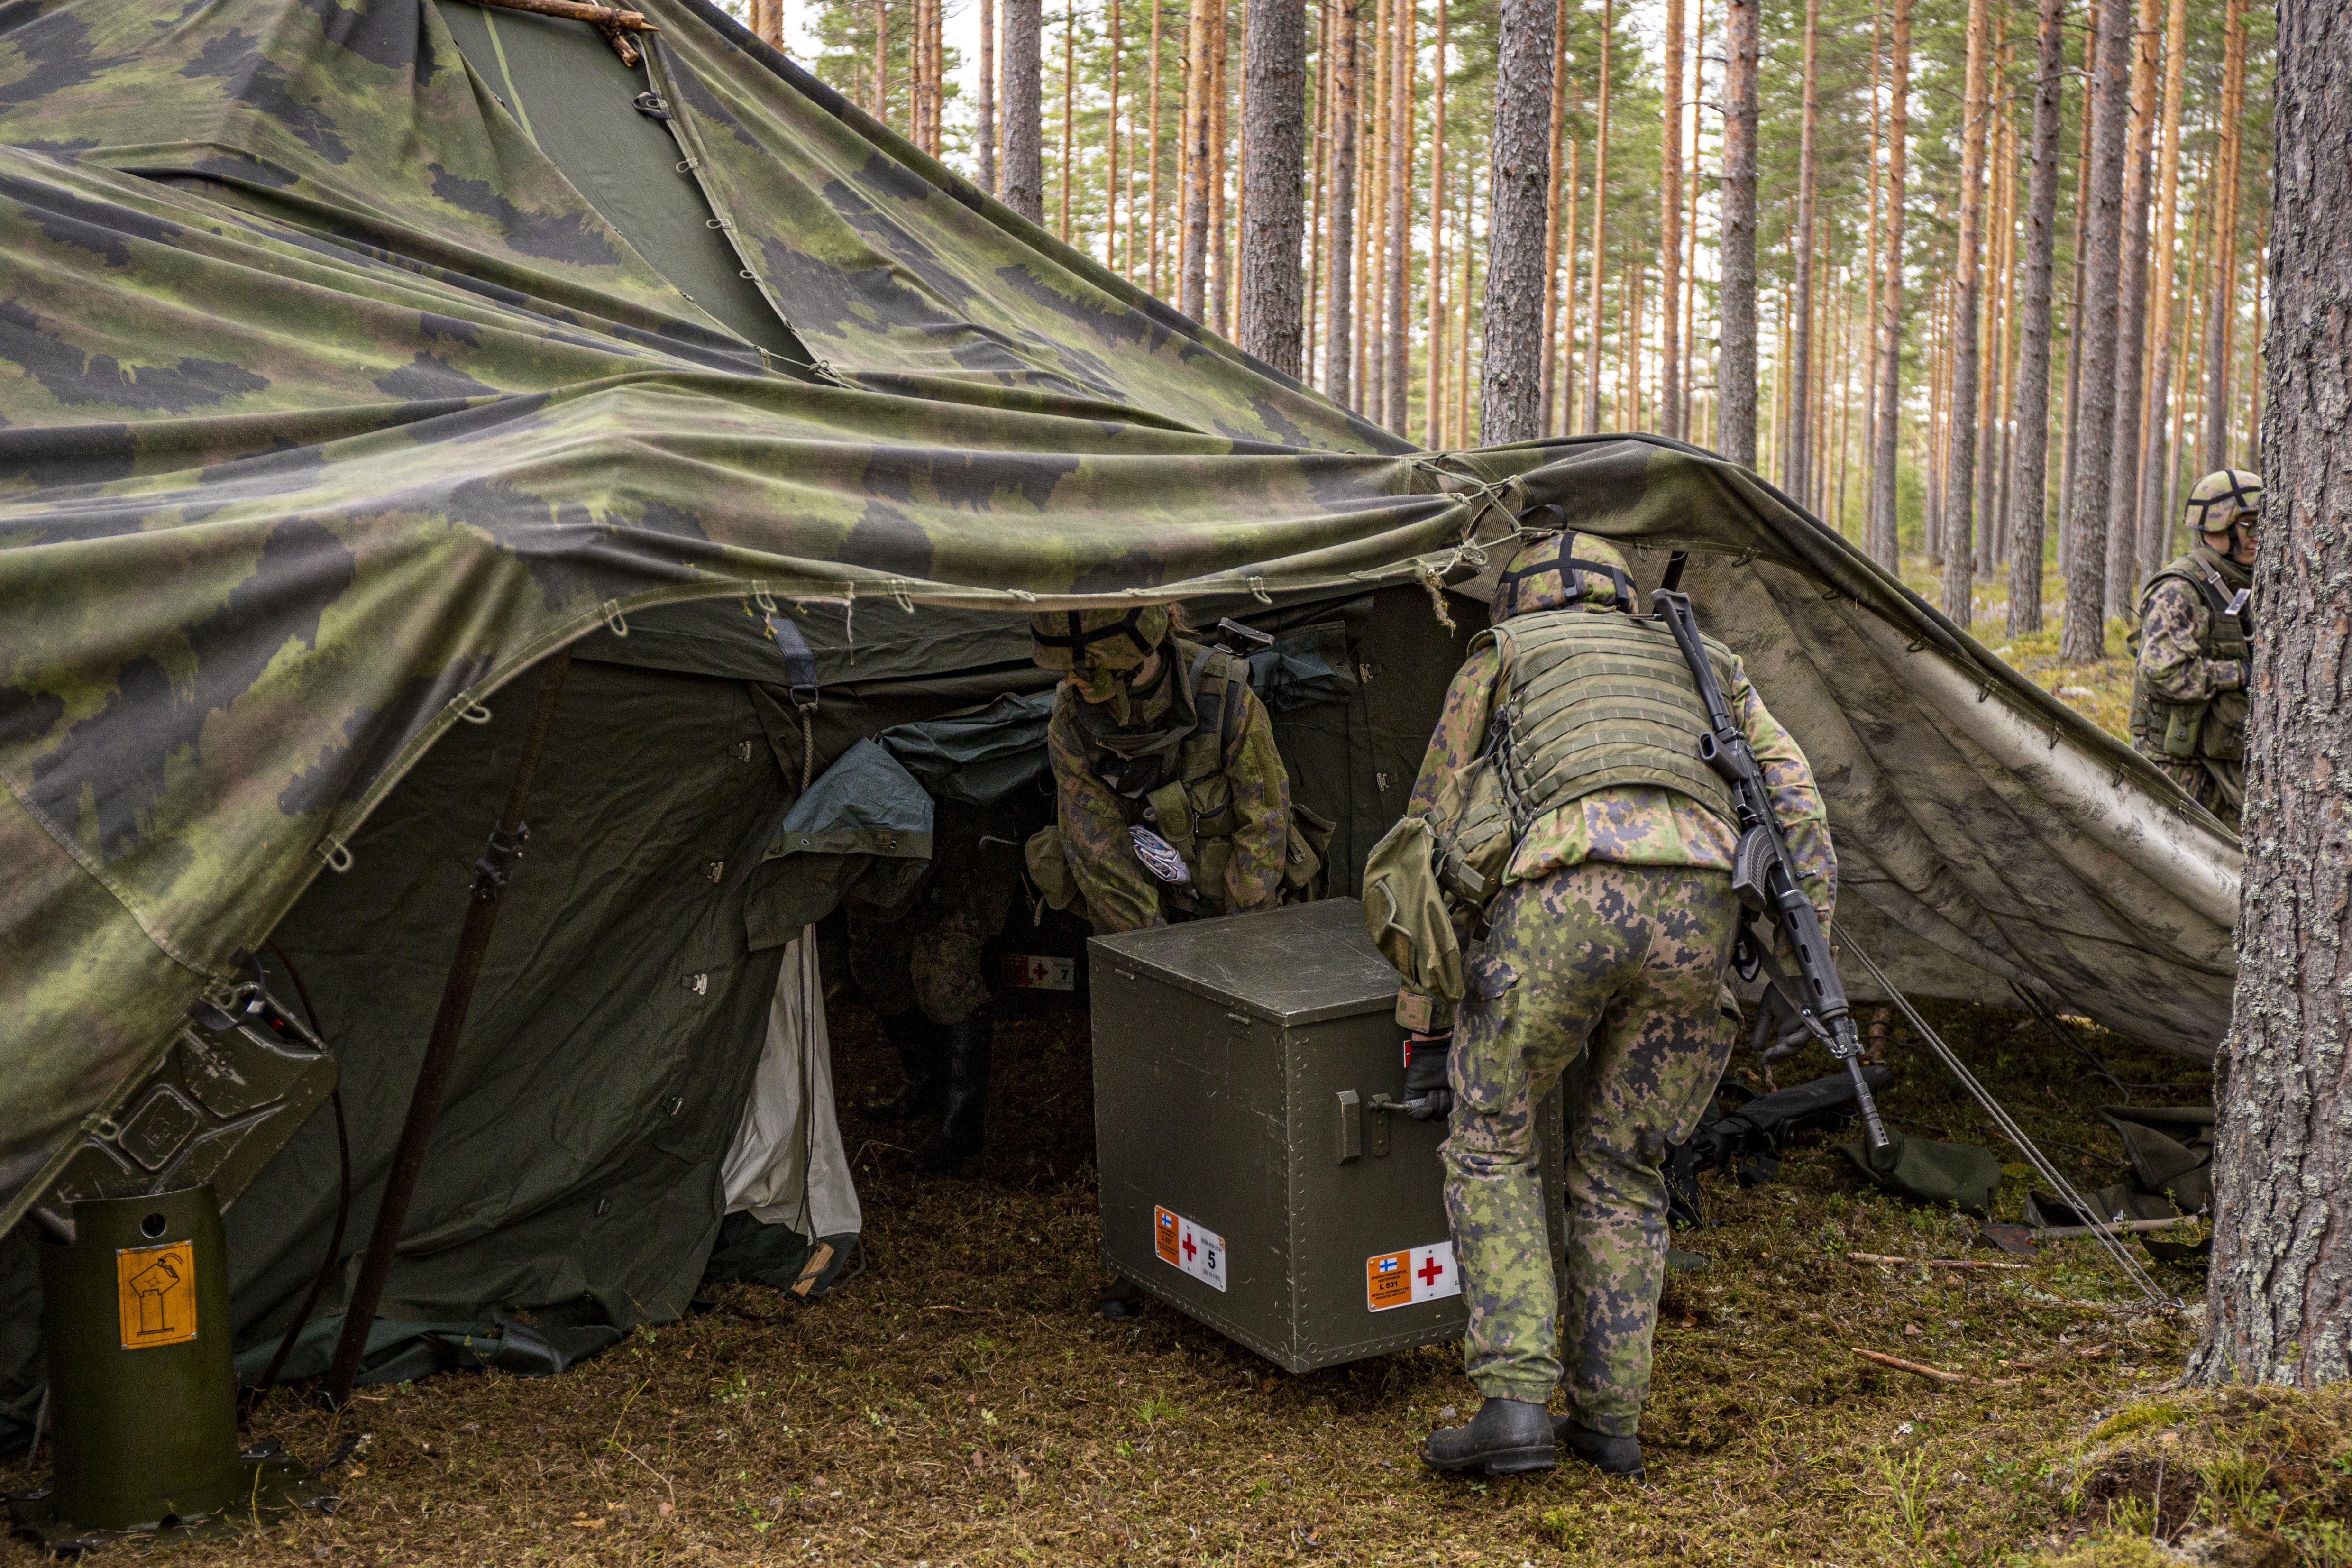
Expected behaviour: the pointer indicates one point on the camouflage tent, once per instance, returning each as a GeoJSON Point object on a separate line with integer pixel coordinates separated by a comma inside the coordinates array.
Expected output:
{"type": "Point", "coordinates": [355, 354]}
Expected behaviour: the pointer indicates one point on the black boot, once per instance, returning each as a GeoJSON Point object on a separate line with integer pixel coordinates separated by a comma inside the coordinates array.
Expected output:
{"type": "Point", "coordinates": [923, 1057]}
{"type": "Point", "coordinates": [1506, 1437]}
{"type": "Point", "coordinates": [1619, 1457]}
{"type": "Point", "coordinates": [957, 1136]}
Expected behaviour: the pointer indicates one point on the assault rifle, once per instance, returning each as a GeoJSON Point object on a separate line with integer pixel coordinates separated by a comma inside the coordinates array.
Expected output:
{"type": "Point", "coordinates": [1764, 875]}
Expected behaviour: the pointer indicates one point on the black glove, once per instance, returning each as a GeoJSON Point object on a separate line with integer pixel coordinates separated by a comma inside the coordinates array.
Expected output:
{"type": "Point", "coordinates": [1427, 1097]}
{"type": "Point", "coordinates": [1776, 1020]}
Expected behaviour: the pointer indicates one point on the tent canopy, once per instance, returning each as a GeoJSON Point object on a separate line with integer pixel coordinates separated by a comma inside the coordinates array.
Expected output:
{"type": "Point", "coordinates": [354, 354]}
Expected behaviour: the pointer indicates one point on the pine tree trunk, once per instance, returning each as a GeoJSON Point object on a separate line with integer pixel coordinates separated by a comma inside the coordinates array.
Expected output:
{"type": "Point", "coordinates": [1339, 335]}
{"type": "Point", "coordinates": [2155, 457]}
{"type": "Point", "coordinates": [1670, 223]}
{"type": "Point", "coordinates": [1957, 533]}
{"type": "Point", "coordinates": [2000, 178]}
{"type": "Point", "coordinates": [987, 131]}
{"type": "Point", "coordinates": [1559, 120]}
{"type": "Point", "coordinates": [1518, 178]}
{"type": "Point", "coordinates": [1460, 435]}
{"type": "Point", "coordinates": [1600, 222]}
{"type": "Point", "coordinates": [1110, 134]}
{"type": "Point", "coordinates": [1193, 263]}
{"type": "Point", "coordinates": [1221, 275]}
{"type": "Point", "coordinates": [2131, 321]}
{"type": "Point", "coordinates": [1397, 340]}
{"type": "Point", "coordinates": [1372, 254]}
{"type": "Point", "coordinates": [1153, 248]}
{"type": "Point", "coordinates": [1434, 383]}
{"type": "Point", "coordinates": [1568, 398]}
{"type": "Point", "coordinates": [2279, 1291]}
{"type": "Point", "coordinates": [2221, 323]}
{"type": "Point", "coordinates": [1870, 323]}
{"type": "Point", "coordinates": [1684, 351]}
{"type": "Point", "coordinates": [1069, 106]}
{"type": "Point", "coordinates": [1024, 130]}
{"type": "Point", "coordinates": [1274, 173]}
{"type": "Point", "coordinates": [2070, 446]}
{"type": "Point", "coordinates": [2084, 633]}
{"type": "Point", "coordinates": [1884, 531]}
{"type": "Point", "coordinates": [1798, 478]}
{"type": "Point", "coordinates": [1734, 377]}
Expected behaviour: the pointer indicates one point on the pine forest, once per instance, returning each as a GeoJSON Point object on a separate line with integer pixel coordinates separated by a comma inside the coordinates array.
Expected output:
{"type": "Point", "coordinates": [1977, 281]}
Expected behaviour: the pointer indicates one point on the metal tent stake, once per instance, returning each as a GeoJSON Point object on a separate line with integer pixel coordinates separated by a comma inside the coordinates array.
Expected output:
{"type": "Point", "coordinates": [490, 875]}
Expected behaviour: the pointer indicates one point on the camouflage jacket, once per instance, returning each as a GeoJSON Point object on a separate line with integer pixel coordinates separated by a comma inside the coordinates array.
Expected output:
{"type": "Point", "coordinates": [1638, 825]}
{"type": "Point", "coordinates": [1120, 894]}
{"type": "Point", "coordinates": [2176, 634]}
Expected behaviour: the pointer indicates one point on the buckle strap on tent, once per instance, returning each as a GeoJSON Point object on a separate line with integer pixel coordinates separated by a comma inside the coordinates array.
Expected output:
{"type": "Point", "coordinates": [653, 105]}
{"type": "Point", "coordinates": [496, 868]}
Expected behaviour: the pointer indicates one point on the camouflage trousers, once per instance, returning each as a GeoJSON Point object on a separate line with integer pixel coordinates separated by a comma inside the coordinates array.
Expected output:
{"type": "Point", "coordinates": [1608, 975]}
{"type": "Point", "coordinates": [2198, 780]}
{"type": "Point", "coordinates": [931, 963]}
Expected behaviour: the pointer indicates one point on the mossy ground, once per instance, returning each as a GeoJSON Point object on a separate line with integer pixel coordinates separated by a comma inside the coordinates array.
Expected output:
{"type": "Point", "coordinates": [958, 1401]}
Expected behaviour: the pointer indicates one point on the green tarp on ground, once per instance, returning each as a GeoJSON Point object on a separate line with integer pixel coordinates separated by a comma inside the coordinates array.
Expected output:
{"type": "Point", "coordinates": [332, 404]}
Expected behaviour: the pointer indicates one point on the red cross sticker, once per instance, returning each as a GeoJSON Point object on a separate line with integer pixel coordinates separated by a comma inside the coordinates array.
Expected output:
{"type": "Point", "coordinates": [1430, 1270]}
{"type": "Point", "coordinates": [1190, 1250]}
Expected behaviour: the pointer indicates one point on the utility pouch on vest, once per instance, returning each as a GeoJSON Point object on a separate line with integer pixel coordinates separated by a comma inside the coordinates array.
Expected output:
{"type": "Point", "coordinates": [1405, 911]}
{"type": "Point", "coordinates": [1168, 810]}
{"type": "Point", "coordinates": [1480, 836]}
{"type": "Point", "coordinates": [1303, 853]}
{"type": "Point", "coordinates": [2181, 726]}
{"type": "Point", "coordinates": [1049, 869]}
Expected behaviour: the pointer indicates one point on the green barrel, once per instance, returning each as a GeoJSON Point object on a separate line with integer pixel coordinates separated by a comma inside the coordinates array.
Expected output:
{"type": "Point", "coordinates": [142, 1390]}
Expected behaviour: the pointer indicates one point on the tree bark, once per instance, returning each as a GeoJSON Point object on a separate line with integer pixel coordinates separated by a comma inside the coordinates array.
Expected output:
{"type": "Point", "coordinates": [1339, 335]}
{"type": "Point", "coordinates": [1371, 257]}
{"type": "Point", "coordinates": [1518, 177]}
{"type": "Point", "coordinates": [1024, 125]}
{"type": "Point", "coordinates": [1886, 537]}
{"type": "Point", "coordinates": [1221, 278]}
{"type": "Point", "coordinates": [1110, 134]}
{"type": "Point", "coordinates": [1568, 397]}
{"type": "Point", "coordinates": [1967, 288]}
{"type": "Point", "coordinates": [987, 96]}
{"type": "Point", "coordinates": [1600, 224]}
{"type": "Point", "coordinates": [1069, 106]}
{"type": "Point", "coordinates": [1992, 402]}
{"type": "Point", "coordinates": [2069, 463]}
{"type": "Point", "coordinates": [1434, 383]}
{"type": "Point", "coordinates": [2083, 637]}
{"type": "Point", "coordinates": [1397, 340]}
{"type": "Point", "coordinates": [2131, 323]}
{"type": "Point", "coordinates": [1870, 333]}
{"type": "Point", "coordinates": [1551, 379]}
{"type": "Point", "coordinates": [2030, 490]}
{"type": "Point", "coordinates": [1735, 376]}
{"type": "Point", "coordinates": [1797, 467]}
{"type": "Point", "coordinates": [1682, 350]}
{"type": "Point", "coordinates": [2155, 450]}
{"type": "Point", "coordinates": [1192, 261]}
{"type": "Point", "coordinates": [2220, 322]}
{"type": "Point", "coordinates": [1670, 218]}
{"type": "Point", "coordinates": [2279, 1292]}
{"type": "Point", "coordinates": [1153, 250]}
{"type": "Point", "coordinates": [1274, 173]}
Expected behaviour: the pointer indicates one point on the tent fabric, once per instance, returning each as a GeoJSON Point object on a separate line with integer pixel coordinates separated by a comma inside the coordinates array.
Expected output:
{"type": "Point", "coordinates": [786, 1166]}
{"type": "Point", "coordinates": [333, 405]}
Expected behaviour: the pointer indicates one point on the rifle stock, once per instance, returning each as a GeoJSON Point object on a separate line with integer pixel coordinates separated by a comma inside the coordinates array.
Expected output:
{"type": "Point", "coordinates": [1766, 875]}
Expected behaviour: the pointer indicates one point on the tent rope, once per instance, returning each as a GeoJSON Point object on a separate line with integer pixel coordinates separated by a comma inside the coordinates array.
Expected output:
{"type": "Point", "coordinates": [2128, 1264]}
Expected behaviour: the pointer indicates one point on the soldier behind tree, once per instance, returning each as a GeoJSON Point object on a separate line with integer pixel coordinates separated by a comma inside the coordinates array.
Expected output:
{"type": "Point", "coordinates": [1161, 753]}
{"type": "Point", "coordinates": [2195, 637]}
{"type": "Point", "coordinates": [1606, 942]}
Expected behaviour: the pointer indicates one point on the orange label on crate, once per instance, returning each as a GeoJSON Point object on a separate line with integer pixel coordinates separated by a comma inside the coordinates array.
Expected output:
{"type": "Point", "coordinates": [1388, 1280]}
{"type": "Point", "coordinates": [155, 1287]}
{"type": "Point", "coordinates": [1408, 1278]}
{"type": "Point", "coordinates": [1163, 1235]}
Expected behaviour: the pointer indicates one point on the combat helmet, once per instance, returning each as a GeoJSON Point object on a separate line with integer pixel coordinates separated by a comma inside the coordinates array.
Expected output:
{"type": "Point", "coordinates": [2217, 501]}
{"type": "Point", "coordinates": [1554, 570]}
{"type": "Point", "coordinates": [1097, 639]}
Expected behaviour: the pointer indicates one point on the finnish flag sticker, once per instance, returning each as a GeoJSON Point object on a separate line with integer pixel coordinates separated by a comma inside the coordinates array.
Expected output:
{"type": "Point", "coordinates": [1408, 1278]}
{"type": "Point", "coordinates": [1197, 1251]}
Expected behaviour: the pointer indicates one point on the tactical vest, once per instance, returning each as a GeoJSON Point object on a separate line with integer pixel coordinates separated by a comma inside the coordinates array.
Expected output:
{"type": "Point", "coordinates": [1600, 701]}
{"type": "Point", "coordinates": [2213, 730]}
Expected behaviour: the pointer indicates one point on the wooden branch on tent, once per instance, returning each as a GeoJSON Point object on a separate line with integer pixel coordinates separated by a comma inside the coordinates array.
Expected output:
{"type": "Point", "coordinates": [614, 24]}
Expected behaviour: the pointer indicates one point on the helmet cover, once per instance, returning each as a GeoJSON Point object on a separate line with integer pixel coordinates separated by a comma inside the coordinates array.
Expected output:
{"type": "Point", "coordinates": [1099, 639]}
{"type": "Point", "coordinates": [1557, 570]}
{"type": "Point", "coordinates": [2222, 499]}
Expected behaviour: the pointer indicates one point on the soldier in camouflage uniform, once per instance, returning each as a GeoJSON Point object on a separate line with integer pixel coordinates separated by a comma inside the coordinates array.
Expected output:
{"type": "Point", "coordinates": [1161, 753]}
{"type": "Point", "coordinates": [2194, 642]}
{"type": "Point", "coordinates": [1605, 946]}
{"type": "Point", "coordinates": [918, 965]}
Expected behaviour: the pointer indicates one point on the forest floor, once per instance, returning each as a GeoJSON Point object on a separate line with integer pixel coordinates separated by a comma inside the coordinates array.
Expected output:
{"type": "Point", "coordinates": [956, 1400]}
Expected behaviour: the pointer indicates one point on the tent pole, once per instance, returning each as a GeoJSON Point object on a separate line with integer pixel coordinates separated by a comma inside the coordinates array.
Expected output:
{"type": "Point", "coordinates": [490, 875]}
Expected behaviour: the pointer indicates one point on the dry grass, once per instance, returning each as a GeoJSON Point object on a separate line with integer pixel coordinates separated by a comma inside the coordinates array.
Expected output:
{"type": "Point", "coordinates": [959, 1402]}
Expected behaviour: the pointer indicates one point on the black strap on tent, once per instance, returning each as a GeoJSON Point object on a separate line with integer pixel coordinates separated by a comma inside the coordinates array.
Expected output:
{"type": "Point", "coordinates": [800, 681]}
{"type": "Point", "coordinates": [441, 1047]}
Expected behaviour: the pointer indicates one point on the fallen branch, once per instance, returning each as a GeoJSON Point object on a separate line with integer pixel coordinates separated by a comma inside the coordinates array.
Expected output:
{"type": "Point", "coordinates": [580, 11]}
{"type": "Point", "coordinates": [1933, 1262]}
{"type": "Point", "coordinates": [1936, 1374]}
{"type": "Point", "coordinates": [2112, 1228]}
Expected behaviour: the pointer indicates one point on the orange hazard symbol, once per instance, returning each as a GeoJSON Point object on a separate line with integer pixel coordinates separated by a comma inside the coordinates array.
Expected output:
{"type": "Point", "coordinates": [155, 1287]}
